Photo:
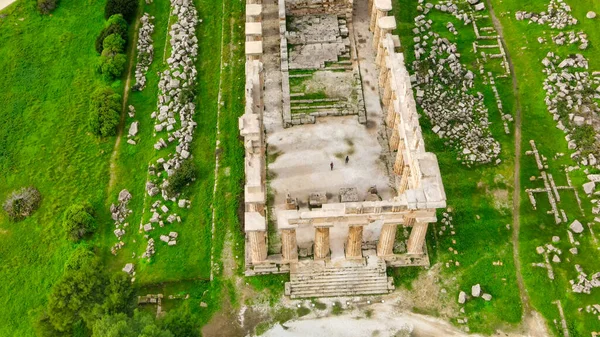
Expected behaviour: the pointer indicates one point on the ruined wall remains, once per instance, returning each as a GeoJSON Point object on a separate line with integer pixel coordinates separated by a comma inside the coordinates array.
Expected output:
{"type": "Point", "coordinates": [416, 172]}
{"type": "Point", "coordinates": [304, 7]}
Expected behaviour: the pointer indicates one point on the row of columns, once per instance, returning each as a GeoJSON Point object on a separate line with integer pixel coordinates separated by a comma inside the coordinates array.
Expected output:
{"type": "Point", "coordinates": [385, 245]}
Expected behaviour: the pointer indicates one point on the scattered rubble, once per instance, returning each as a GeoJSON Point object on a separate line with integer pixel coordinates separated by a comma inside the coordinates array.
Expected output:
{"type": "Point", "coordinates": [145, 51]}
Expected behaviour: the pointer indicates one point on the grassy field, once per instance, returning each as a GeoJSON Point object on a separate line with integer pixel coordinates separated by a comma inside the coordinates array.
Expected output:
{"type": "Point", "coordinates": [48, 74]}
{"type": "Point", "coordinates": [480, 197]}
{"type": "Point", "coordinates": [188, 260]}
{"type": "Point", "coordinates": [537, 228]}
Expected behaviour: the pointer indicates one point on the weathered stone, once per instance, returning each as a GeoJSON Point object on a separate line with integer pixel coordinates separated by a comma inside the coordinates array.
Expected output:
{"type": "Point", "coordinates": [576, 227]}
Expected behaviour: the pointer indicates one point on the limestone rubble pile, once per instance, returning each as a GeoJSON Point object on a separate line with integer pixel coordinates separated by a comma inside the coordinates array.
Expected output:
{"type": "Point", "coordinates": [444, 91]}
{"type": "Point", "coordinates": [572, 95]}
{"type": "Point", "coordinates": [582, 284]}
{"type": "Point", "coordinates": [173, 120]}
{"type": "Point", "coordinates": [558, 15]}
{"type": "Point", "coordinates": [145, 51]}
{"type": "Point", "coordinates": [118, 213]}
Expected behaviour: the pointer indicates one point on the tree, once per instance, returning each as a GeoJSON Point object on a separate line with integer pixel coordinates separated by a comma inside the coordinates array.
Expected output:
{"type": "Point", "coordinates": [119, 325]}
{"type": "Point", "coordinates": [113, 44]}
{"type": "Point", "coordinates": [181, 323]}
{"type": "Point", "coordinates": [46, 6]}
{"type": "Point", "coordinates": [21, 204]}
{"type": "Point", "coordinates": [104, 115]}
{"type": "Point", "coordinates": [112, 65]}
{"type": "Point", "coordinates": [77, 292]}
{"type": "Point", "coordinates": [78, 221]}
{"type": "Point", "coordinates": [115, 25]}
{"type": "Point", "coordinates": [127, 8]}
{"type": "Point", "coordinates": [119, 295]}
{"type": "Point", "coordinates": [182, 177]}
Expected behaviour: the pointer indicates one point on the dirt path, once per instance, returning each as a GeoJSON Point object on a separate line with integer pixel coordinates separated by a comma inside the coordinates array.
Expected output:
{"type": "Point", "coordinates": [533, 322]}
{"type": "Point", "coordinates": [126, 90]}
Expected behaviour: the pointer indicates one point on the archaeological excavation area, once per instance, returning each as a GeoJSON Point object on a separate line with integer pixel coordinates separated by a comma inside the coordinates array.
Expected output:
{"type": "Point", "coordinates": [338, 185]}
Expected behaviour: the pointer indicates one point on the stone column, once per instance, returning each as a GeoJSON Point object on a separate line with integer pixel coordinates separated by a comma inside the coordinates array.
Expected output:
{"type": "Point", "coordinates": [321, 242]}
{"type": "Point", "coordinates": [379, 9]}
{"type": "Point", "coordinates": [258, 246]}
{"type": "Point", "coordinates": [354, 242]}
{"type": "Point", "coordinates": [394, 138]}
{"type": "Point", "coordinates": [384, 25]}
{"type": "Point", "coordinates": [417, 238]}
{"type": "Point", "coordinates": [391, 116]}
{"type": "Point", "coordinates": [385, 245]}
{"type": "Point", "coordinates": [399, 162]}
{"type": "Point", "coordinates": [289, 247]}
{"type": "Point", "coordinates": [384, 73]}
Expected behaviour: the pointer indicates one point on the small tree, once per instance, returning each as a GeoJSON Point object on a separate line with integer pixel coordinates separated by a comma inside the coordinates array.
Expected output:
{"type": "Point", "coordinates": [141, 324]}
{"type": "Point", "coordinates": [182, 177]}
{"type": "Point", "coordinates": [78, 221]}
{"type": "Point", "coordinates": [119, 295]}
{"type": "Point", "coordinates": [112, 65]}
{"type": "Point", "coordinates": [127, 8]}
{"type": "Point", "coordinates": [104, 115]}
{"type": "Point", "coordinates": [112, 45]}
{"type": "Point", "coordinates": [21, 204]}
{"type": "Point", "coordinates": [115, 25]}
{"type": "Point", "coordinates": [75, 295]}
{"type": "Point", "coordinates": [46, 6]}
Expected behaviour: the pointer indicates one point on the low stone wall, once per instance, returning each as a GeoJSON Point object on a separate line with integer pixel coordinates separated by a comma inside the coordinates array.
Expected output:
{"type": "Point", "coordinates": [305, 7]}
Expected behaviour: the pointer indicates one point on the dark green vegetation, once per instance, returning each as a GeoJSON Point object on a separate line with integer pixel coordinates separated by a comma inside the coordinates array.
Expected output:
{"type": "Point", "coordinates": [128, 8]}
{"type": "Point", "coordinates": [79, 221]}
{"type": "Point", "coordinates": [114, 25]}
{"type": "Point", "coordinates": [183, 176]}
{"type": "Point", "coordinates": [105, 110]}
{"type": "Point", "coordinates": [537, 227]}
{"type": "Point", "coordinates": [479, 197]}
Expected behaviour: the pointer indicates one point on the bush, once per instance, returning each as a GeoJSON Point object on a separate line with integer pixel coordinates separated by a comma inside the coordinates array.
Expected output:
{"type": "Point", "coordinates": [127, 8]}
{"type": "Point", "coordinates": [181, 178]}
{"type": "Point", "coordinates": [77, 292]}
{"type": "Point", "coordinates": [141, 324]}
{"type": "Point", "coordinates": [112, 66]}
{"type": "Point", "coordinates": [104, 115]}
{"type": "Point", "coordinates": [78, 221]}
{"type": "Point", "coordinates": [112, 45]}
{"type": "Point", "coordinates": [21, 204]}
{"type": "Point", "coordinates": [115, 25]}
{"type": "Point", "coordinates": [180, 323]}
{"type": "Point", "coordinates": [46, 6]}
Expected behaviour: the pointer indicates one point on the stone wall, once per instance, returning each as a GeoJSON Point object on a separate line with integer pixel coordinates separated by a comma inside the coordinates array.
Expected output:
{"type": "Point", "coordinates": [304, 7]}
{"type": "Point", "coordinates": [252, 130]}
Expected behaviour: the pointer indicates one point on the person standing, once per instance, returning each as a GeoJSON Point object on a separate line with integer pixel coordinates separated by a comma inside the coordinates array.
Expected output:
{"type": "Point", "coordinates": [347, 159]}
{"type": "Point", "coordinates": [331, 166]}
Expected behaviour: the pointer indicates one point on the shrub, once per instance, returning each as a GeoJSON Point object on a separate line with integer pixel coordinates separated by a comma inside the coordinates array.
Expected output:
{"type": "Point", "coordinates": [104, 116]}
{"type": "Point", "coordinates": [78, 221]}
{"type": "Point", "coordinates": [115, 25]}
{"type": "Point", "coordinates": [46, 6]}
{"type": "Point", "coordinates": [21, 204]}
{"type": "Point", "coordinates": [112, 45]}
{"type": "Point", "coordinates": [77, 292]}
{"type": "Point", "coordinates": [127, 8]}
{"type": "Point", "coordinates": [112, 66]}
{"type": "Point", "coordinates": [182, 177]}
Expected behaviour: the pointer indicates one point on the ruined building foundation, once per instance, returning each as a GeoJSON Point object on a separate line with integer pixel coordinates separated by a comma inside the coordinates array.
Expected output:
{"type": "Point", "coordinates": [338, 185]}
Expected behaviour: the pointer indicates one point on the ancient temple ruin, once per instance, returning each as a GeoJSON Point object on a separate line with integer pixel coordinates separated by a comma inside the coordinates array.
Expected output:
{"type": "Point", "coordinates": [338, 185]}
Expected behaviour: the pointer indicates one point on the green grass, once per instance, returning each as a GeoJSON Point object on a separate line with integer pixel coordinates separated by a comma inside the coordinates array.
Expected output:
{"type": "Point", "coordinates": [479, 218]}
{"type": "Point", "coordinates": [537, 227]}
{"type": "Point", "coordinates": [187, 260]}
{"type": "Point", "coordinates": [48, 75]}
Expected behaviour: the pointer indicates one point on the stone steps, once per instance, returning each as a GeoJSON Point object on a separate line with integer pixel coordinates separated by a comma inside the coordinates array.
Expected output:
{"type": "Point", "coordinates": [322, 279]}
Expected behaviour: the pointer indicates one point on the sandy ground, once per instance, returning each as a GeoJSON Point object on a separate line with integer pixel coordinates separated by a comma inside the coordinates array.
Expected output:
{"type": "Point", "coordinates": [384, 322]}
{"type": "Point", "coordinates": [306, 152]}
{"type": "Point", "coordinates": [5, 3]}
